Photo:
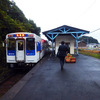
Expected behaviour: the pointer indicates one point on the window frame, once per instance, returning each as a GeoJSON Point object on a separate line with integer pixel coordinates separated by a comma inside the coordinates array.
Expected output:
{"type": "Point", "coordinates": [32, 47]}
{"type": "Point", "coordinates": [9, 44]}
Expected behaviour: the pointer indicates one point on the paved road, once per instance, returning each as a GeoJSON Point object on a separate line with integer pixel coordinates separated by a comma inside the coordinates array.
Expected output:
{"type": "Point", "coordinates": [78, 81]}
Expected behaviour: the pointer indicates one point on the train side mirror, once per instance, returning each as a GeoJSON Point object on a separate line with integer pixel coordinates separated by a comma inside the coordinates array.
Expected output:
{"type": "Point", "coordinates": [3, 44]}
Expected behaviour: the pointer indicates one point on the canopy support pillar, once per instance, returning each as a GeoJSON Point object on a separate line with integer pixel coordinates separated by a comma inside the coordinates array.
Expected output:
{"type": "Point", "coordinates": [77, 44]}
{"type": "Point", "coordinates": [52, 36]}
{"type": "Point", "coordinates": [64, 30]}
{"type": "Point", "coordinates": [52, 48]}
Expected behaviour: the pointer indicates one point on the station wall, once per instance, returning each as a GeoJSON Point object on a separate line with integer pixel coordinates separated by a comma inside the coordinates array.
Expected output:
{"type": "Point", "coordinates": [67, 39]}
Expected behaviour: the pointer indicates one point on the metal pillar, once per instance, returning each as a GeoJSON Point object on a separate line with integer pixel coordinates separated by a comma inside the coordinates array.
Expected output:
{"type": "Point", "coordinates": [75, 32]}
{"type": "Point", "coordinates": [52, 48]}
{"type": "Point", "coordinates": [77, 44]}
{"type": "Point", "coordinates": [52, 45]}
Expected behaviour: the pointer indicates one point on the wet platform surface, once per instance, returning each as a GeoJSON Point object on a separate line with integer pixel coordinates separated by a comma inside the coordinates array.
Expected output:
{"type": "Point", "coordinates": [78, 81]}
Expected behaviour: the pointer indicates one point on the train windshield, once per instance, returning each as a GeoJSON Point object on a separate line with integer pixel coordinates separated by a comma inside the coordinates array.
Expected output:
{"type": "Point", "coordinates": [20, 45]}
{"type": "Point", "coordinates": [30, 44]}
{"type": "Point", "coordinates": [11, 44]}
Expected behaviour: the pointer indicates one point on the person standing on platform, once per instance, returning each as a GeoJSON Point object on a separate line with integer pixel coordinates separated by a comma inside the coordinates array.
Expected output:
{"type": "Point", "coordinates": [62, 51]}
{"type": "Point", "coordinates": [67, 47]}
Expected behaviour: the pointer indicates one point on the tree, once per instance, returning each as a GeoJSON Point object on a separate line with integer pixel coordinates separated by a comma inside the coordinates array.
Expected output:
{"type": "Point", "coordinates": [34, 28]}
{"type": "Point", "coordinates": [8, 25]}
{"type": "Point", "coordinates": [88, 39]}
{"type": "Point", "coordinates": [12, 20]}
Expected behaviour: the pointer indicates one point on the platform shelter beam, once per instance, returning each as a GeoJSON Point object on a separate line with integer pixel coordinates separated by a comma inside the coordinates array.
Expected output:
{"type": "Point", "coordinates": [75, 32]}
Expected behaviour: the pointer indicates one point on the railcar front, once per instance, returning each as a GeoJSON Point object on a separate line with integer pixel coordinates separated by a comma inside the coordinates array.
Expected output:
{"type": "Point", "coordinates": [23, 48]}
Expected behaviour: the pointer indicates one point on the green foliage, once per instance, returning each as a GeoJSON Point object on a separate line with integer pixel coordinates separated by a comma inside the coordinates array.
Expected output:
{"type": "Point", "coordinates": [12, 20]}
{"type": "Point", "coordinates": [88, 39]}
{"type": "Point", "coordinates": [5, 5]}
{"type": "Point", "coordinates": [8, 25]}
{"type": "Point", "coordinates": [15, 13]}
{"type": "Point", "coordinates": [96, 55]}
{"type": "Point", "coordinates": [2, 56]}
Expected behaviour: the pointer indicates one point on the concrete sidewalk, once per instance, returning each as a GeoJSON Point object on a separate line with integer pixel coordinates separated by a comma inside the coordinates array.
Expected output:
{"type": "Point", "coordinates": [78, 81]}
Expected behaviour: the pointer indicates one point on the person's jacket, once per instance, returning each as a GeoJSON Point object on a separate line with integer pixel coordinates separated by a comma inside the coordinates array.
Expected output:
{"type": "Point", "coordinates": [62, 50]}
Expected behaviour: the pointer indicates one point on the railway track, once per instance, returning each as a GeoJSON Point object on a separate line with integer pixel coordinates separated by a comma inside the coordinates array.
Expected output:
{"type": "Point", "coordinates": [12, 76]}
{"type": "Point", "coordinates": [9, 79]}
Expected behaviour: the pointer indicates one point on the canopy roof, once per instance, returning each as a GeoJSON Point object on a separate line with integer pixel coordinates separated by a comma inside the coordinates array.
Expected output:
{"type": "Point", "coordinates": [64, 30]}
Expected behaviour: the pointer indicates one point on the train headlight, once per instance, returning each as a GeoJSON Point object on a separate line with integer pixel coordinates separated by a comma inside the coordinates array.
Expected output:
{"type": "Point", "coordinates": [30, 35]}
{"type": "Point", "coordinates": [9, 35]}
{"type": "Point", "coordinates": [20, 35]}
{"type": "Point", "coordinates": [17, 35]}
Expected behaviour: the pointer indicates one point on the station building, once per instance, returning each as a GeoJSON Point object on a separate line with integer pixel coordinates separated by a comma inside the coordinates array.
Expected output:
{"type": "Point", "coordinates": [68, 39]}
{"type": "Point", "coordinates": [67, 34]}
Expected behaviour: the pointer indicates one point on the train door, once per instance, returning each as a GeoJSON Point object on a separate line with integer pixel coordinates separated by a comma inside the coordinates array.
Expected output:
{"type": "Point", "coordinates": [20, 50]}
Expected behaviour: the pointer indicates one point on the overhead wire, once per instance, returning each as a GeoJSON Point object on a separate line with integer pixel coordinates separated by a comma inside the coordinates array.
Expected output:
{"type": "Point", "coordinates": [85, 11]}
{"type": "Point", "coordinates": [95, 30]}
{"type": "Point", "coordinates": [90, 6]}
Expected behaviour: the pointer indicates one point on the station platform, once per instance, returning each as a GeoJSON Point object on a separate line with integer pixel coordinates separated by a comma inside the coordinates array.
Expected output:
{"type": "Point", "coordinates": [46, 81]}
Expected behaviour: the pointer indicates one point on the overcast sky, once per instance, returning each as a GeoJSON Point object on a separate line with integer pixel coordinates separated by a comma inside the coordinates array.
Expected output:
{"type": "Point", "coordinates": [49, 14]}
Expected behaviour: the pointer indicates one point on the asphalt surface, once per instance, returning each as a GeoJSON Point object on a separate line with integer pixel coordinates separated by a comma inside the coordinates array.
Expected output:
{"type": "Point", "coordinates": [78, 81]}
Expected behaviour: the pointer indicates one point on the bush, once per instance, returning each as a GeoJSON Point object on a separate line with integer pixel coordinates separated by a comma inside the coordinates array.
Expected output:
{"type": "Point", "coordinates": [2, 56]}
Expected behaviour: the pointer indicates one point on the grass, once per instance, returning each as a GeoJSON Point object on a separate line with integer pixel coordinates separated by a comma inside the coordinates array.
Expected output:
{"type": "Point", "coordinates": [96, 55]}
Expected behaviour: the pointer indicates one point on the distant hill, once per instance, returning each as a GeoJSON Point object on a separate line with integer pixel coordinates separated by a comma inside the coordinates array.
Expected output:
{"type": "Point", "coordinates": [12, 20]}
{"type": "Point", "coordinates": [88, 39]}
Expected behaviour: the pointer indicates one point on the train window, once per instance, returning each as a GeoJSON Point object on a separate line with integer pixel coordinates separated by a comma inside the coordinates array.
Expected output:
{"type": "Point", "coordinates": [11, 44]}
{"type": "Point", "coordinates": [30, 44]}
{"type": "Point", "coordinates": [20, 45]}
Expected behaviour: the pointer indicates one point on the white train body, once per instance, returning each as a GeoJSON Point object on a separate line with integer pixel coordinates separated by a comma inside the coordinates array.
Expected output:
{"type": "Point", "coordinates": [24, 47]}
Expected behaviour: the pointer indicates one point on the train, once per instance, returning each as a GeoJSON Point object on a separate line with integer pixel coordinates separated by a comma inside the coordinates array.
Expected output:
{"type": "Point", "coordinates": [24, 48]}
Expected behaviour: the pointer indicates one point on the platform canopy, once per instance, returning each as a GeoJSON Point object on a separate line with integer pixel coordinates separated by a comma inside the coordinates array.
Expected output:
{"type": "Point", "coordinates": [65, 30]}
{"type": "Point", "coordinates": [75, 32]}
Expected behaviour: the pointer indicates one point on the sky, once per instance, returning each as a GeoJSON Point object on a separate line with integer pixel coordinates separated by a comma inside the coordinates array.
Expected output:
{"type": "Point", "coordinates": [50, 14]}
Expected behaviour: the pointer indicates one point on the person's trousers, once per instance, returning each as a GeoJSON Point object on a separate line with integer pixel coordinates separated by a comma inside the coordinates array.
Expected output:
{"type": "Point", "coordinates": [62, 62]}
